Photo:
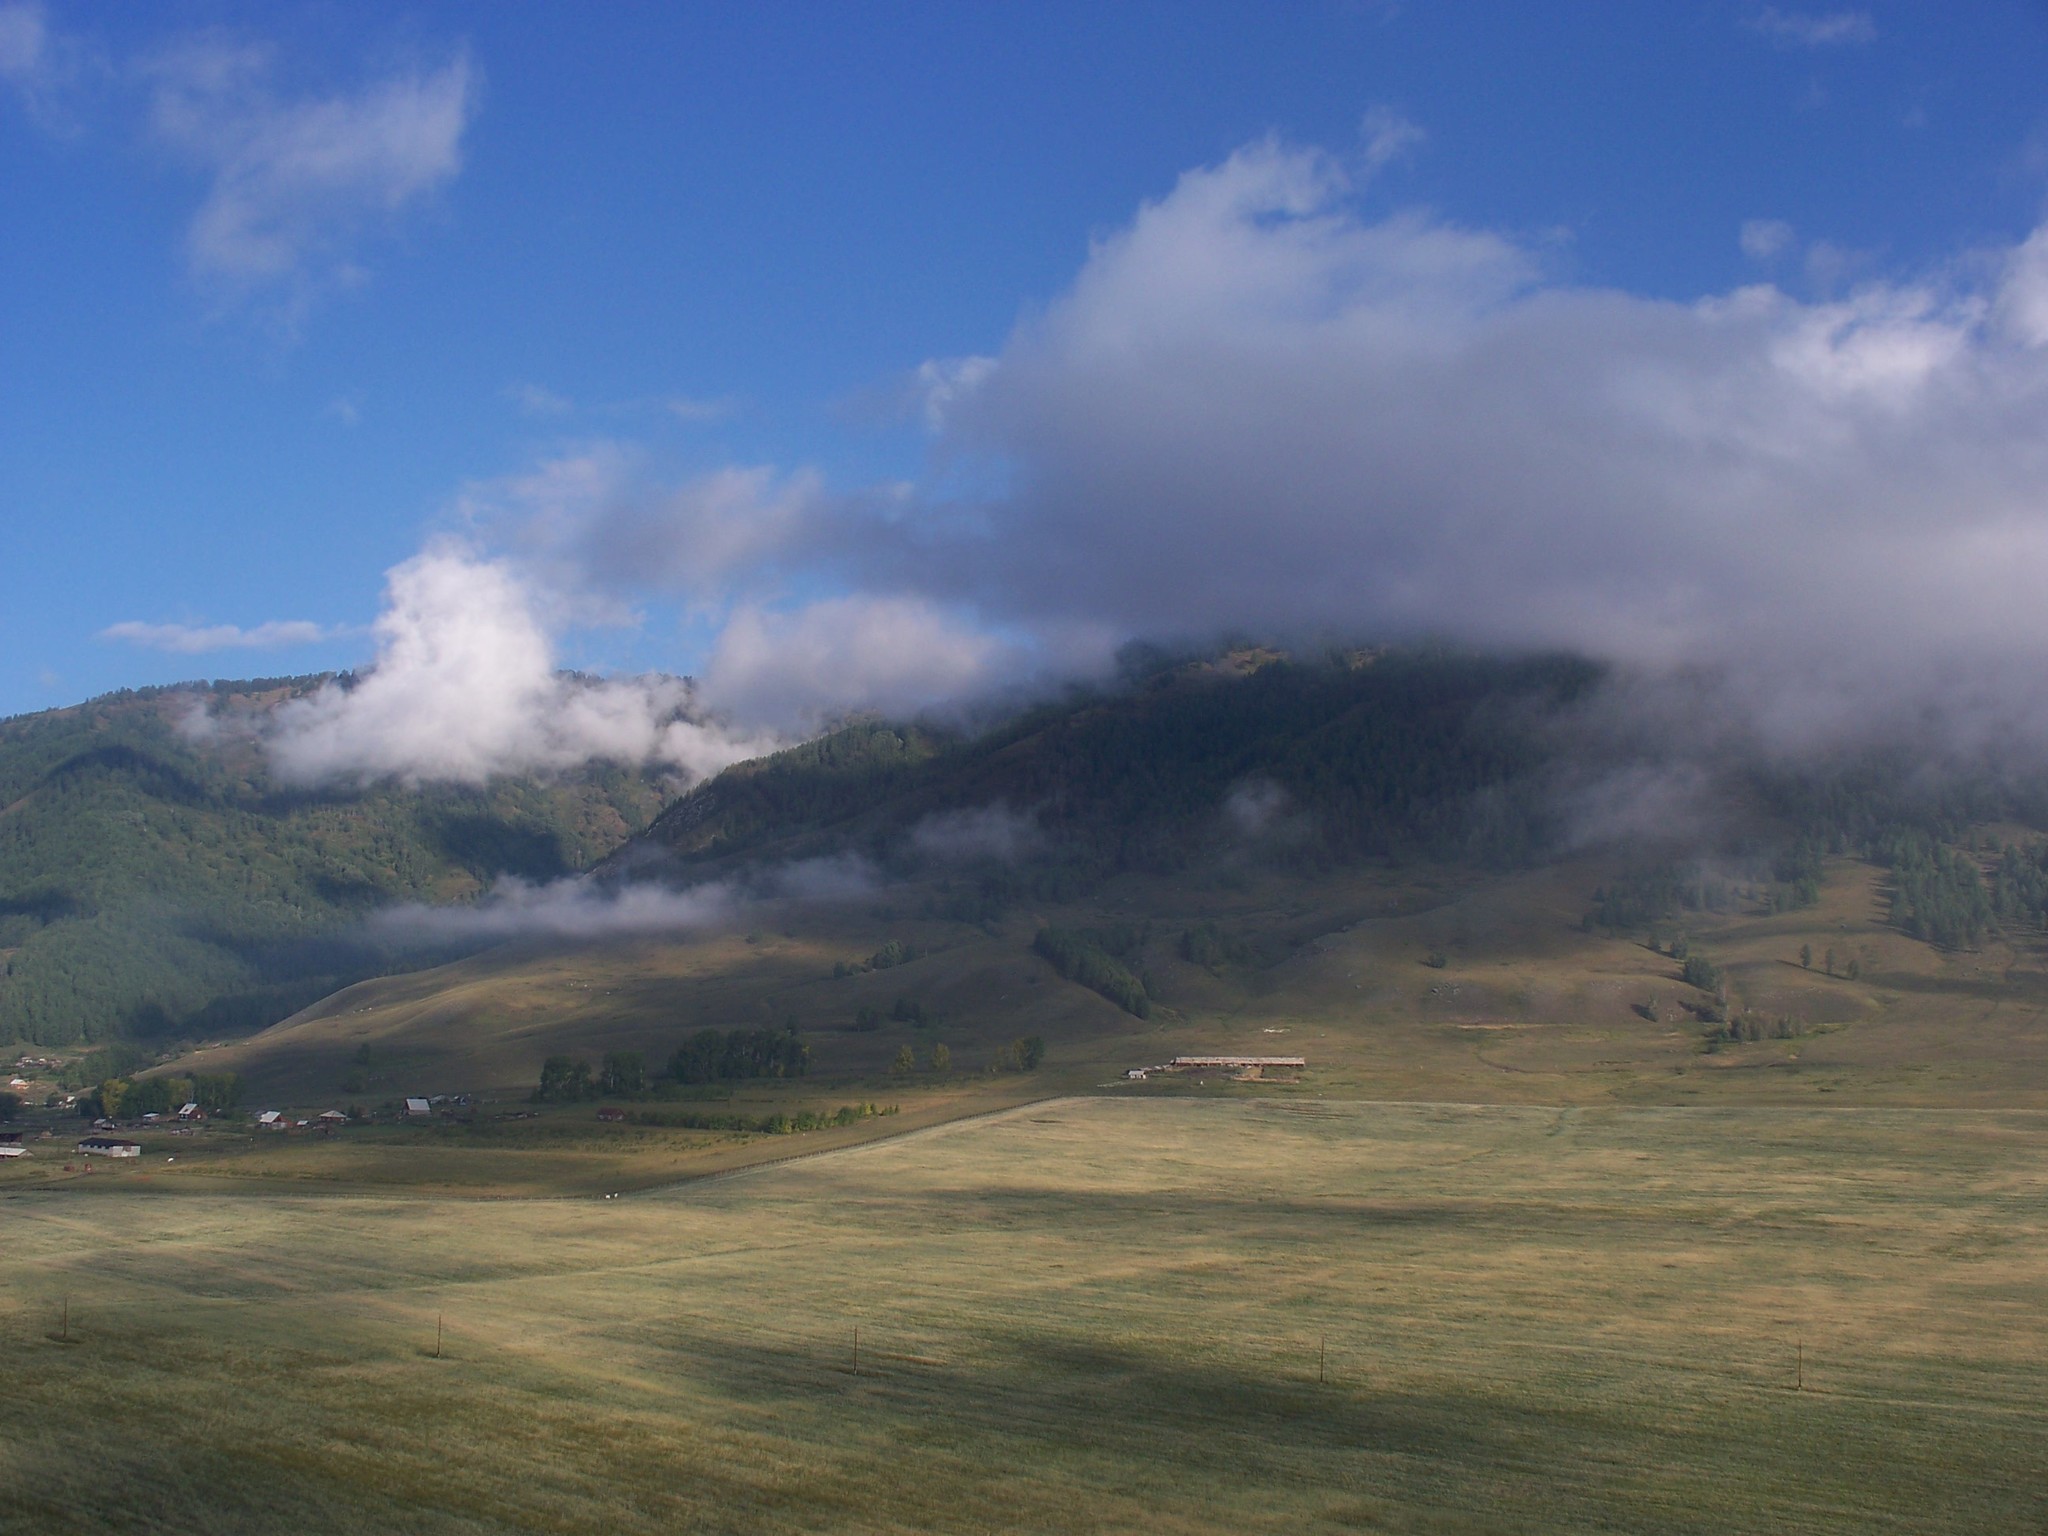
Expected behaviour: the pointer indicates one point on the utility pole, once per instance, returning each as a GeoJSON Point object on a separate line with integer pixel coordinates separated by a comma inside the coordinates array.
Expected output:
{"type": "Point", "coordinates": [1799, 1366]}
{"type": "Point", "coordinates": [856, 1349]}
{"type": "Point", "coordinates": [65, 1329]}
{"type": "Point", "coordinates": [437, 1335]}
{"type": "Point", "coordinates": [1322, 1350]}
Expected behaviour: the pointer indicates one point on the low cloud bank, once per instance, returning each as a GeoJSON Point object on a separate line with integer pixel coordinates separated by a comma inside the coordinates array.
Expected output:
{"type": "Point", "coordinates": [983, 832]}
{"type": "Point", "coordinates": [583, 908]}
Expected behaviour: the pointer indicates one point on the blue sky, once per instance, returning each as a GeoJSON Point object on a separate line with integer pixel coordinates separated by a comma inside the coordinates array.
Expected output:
{"type": "Point", "coordinates": [291, 294]}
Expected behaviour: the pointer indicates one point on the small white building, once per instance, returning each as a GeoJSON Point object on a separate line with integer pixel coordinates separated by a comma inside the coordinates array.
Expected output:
{"type": "Point", "coordinates": [108, 1146]}
{"type": "Point", "coordinates": [418, 1107]}
{"type": "Point", "coordinates": [272, 1120]}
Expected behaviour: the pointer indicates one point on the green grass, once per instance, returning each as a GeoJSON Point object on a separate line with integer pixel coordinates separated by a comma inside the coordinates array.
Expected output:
{"type": "Point", "coordinates": [1085, 1315]}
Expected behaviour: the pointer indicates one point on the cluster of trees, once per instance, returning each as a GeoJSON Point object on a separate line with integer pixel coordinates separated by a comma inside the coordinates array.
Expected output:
{"type": "Point", "coordinates": [1081, 955]}
{"type": "Point", "coordinates": [1644, 899]}
{"type": "Point", "coordinates": [2019, 886]}
{"type": "Point", "coordinates": [1207, 944]}
{"type": "Point", "coordinates": [713, 1055]}
{"type": "Point", "coordinates": [891, 954]}
{"type": "Point", "coordinates": [905, 1010]}
{"type": "Point", "coordinates": [1752, 1027]}
{"type": "Point", "coordinates": [1938, 892]}
{"type": "Point", "coordinates": [568, 1080]}
{"type": "Point", "coordinates": [1024, 1054]}
{"type": "Point", "coordinates": [1698, 971]}
{"type": "Point", "coordinates": [708, 1056]}
{"type": "Point", "coordinates": [118, 1098]}
{"type": "Point", "coordinates": [766, 1125]}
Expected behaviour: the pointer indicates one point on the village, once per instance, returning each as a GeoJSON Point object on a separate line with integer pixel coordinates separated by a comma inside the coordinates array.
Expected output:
{"type": "Point", "coordinates": [34, 1076]}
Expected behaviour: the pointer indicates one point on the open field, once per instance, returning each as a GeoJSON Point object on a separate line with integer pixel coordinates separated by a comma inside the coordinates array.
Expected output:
{"type": "Point", "coordinates": [1083, 1315]}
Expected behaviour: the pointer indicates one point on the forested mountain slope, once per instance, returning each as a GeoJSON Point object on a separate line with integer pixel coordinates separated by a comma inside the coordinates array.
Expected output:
{"type": "Point", "coordinates": [1399, 754]}
{"type": "Point", "coordinates": [156, 881]}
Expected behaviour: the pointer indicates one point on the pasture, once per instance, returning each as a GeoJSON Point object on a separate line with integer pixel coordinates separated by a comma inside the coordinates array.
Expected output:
{"type": "Point", "coordinates": [1086, 1314]}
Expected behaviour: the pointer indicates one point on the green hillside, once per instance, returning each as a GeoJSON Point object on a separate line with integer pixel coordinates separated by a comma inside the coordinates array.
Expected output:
{"type": "Point", "coordinates": [1398, 755]}
{"type": "Point", "coordinates": [159, 883]}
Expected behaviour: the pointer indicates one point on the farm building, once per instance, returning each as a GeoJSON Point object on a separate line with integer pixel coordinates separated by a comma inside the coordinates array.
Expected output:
{"type": "Point", "coordinates": [10, 1144]}
{"type": "Point", "coordinates": [1243, 1066]}
{"type": "Point", "coordinates": [1236, 1063]}
{"type": "Point", "coordinates": [331, 1118]}
{"type": "Point", "coordinates": [273, 1120]}
{"type": "Point", "coordinates": [109, 1146]}
{"type": "Point", "coordinates": [418, 1107]}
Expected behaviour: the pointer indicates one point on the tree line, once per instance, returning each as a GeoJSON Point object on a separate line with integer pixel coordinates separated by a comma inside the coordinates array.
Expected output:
{"type": "Point", "coordinates": [708, 1056]}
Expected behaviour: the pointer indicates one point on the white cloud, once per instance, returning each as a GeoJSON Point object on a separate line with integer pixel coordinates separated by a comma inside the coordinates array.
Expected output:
{"type": "Point", "coordinates": [297, 183]}
{"type": "Point", "coordinates": [601, 522]}
{"type": "Point", "coordinates": [694, 410]}
{"type": "Point", "coordinates": [1389, 136]}
{"type": "Point", "coordinates": [580, 907]}
{"type": "Point", "coordinates": [940, 381]}
{"type": "Point", "coordinates": [24, 42]}
{"type": "Point", "coordinates": [464, 686]}
{"type": "Point", "coordinates": [1255, 410]}
{"type": "Point", "coordinates": [194, 639]}
{"type": "Point", "coordinates": [803, 668]}
{"type": "Point", "coordinates": [1765, 239]}
{"type": "Point", "coordinates": [575, 908]}
{"type": "Point", "coordinates": [537, 400]}
{"type": "Point", "coordinates": [40, 64]}
{"type": "Point", "coordinates": [1815, 29]}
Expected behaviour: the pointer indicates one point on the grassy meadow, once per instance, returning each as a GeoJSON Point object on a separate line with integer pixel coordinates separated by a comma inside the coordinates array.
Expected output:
{"type": "Point", "coordinates": [1085, 1314]}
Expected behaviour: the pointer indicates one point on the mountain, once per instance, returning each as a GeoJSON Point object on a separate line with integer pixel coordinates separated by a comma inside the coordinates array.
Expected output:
{"type": "Point", "coordinates": [1319, 763]}
{"type": "Point", "coordinates": [158, 882]}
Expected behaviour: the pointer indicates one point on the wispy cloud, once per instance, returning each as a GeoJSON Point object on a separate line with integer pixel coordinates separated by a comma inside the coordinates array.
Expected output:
{"type": "Point", "coordinates": [40, 64]}
{"type": "Point", "coordinates": [693, 409]}
{"type": "Point", "coordinates": [539, 400]}
{"type": "Point", "coordinates": [584, 908]}
{"type": "Point", "coordinates": [1388, 135]}
{"type": "Point", "coordinates": [297, 183]}
{"type": "Point", "coordinates": [194, 639]}
{"type": "Point", "coordinates": [1814, 29]}
{"type": "Point", "coordinates": [1765, 239]}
